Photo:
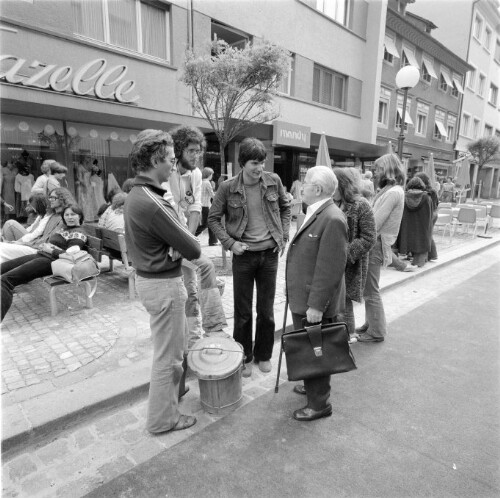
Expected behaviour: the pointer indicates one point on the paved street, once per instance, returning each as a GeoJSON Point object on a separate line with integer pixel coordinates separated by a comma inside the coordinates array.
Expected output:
{"type": "Point", "coordinates": [90, 454]}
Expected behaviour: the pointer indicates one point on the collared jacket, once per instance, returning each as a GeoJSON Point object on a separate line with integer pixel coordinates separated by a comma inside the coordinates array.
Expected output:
{"type": "Point", "coordinates": [230, 202]}
{"type": "Point", "coordinates": [152, 229]}
{"type": "Point", "coordinates": [316, 261]}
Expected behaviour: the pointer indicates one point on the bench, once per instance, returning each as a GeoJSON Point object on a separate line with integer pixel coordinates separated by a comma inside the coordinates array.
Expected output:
{"type": "Point", "coordinates": [95, 250]}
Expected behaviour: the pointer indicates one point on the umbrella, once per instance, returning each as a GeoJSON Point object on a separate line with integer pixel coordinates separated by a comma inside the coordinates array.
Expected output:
{"type": "Point", "coordinates": [429, 170]}
{"type": "Point", "coordinates": [389, 147]}
{"type": "Point", "coordinates": [323, 157]}
{"type": "Point", "coordinates": [463, 175]}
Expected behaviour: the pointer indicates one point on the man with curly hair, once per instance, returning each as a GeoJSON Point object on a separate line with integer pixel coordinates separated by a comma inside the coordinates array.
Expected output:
{"type": "Point", "coordinates": [184, 187]}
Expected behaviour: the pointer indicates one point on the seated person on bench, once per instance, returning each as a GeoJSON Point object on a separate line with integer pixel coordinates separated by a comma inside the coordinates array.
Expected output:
{"type": "Point", "coordinates": [26, 268]}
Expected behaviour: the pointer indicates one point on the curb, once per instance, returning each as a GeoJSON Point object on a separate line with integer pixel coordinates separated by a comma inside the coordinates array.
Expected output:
{"type": "Point", "coordinates": [54, 412]}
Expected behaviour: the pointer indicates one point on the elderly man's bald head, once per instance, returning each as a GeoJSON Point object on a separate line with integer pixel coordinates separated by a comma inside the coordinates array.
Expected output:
{"type": "Point", "coordinates": [324, 177]}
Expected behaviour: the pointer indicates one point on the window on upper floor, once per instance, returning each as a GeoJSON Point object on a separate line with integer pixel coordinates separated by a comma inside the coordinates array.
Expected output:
{"type": "Point", "coordinates": [422, 117]}
{"type": "Point", "coordinates": [339, 10]}
{"type": "Point", "coordinates": [475, 128]}
{"type": "Point", "coordinates": [390, 49]}
{"type": "Point", "coordinates": [478, 27]}
{"type": "Point", "coordinates": [471, 79]}
{"type": "Point", "coordinates": [497, 51]}
{"type": "Point", "coordinates": [497, 134]}
{"type": "Point", "coordinates": [232, 36]}
{"type": "Point", "coordinates": [329, 87]}
{"type": "Point", "coordinates": [488, 130]}
{"type": "Point", "coordinates": [439, 128]}
{"type": "Point", "coordinates": [408, 57]}
{"type": "Point", "coordinates": [465, 125]}
{"type": "Point", "coordinates": [487, 39]}
{"type": "Point", "coordinates": [286, 84]}
{"type": "Point", "coordinates": [134, 25]}
{"type": "Point", "coordinates": [450, 128]}
{"type": "Point", "coordinates": [493, 94]}
{"type": "Point", "coordinates": [456, 88]}
{"type": "Point", "coordinates": [383, 107]}
{"type": "Point", "coordinates": [481, 85]}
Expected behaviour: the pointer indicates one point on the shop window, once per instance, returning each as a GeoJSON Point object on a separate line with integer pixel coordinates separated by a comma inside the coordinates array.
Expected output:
{"type": "Point", "coordinates": [338, 10]}
{"type": "Point", "coordinates": [329, 88]}
{"type": "Point", "coordinates": [133, 25]}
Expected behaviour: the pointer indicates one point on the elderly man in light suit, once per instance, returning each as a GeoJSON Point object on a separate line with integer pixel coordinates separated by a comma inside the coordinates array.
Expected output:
{"type": "Point", "coordinates": [315, 275]}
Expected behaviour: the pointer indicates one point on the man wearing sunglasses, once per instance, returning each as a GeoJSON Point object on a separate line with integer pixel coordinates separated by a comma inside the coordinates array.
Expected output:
{"type": "Point", "coordinates": [184, 188]}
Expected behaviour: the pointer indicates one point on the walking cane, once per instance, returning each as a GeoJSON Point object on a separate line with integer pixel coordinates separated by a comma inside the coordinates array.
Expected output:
{"type": "Point", "coordinates": [281, 347]}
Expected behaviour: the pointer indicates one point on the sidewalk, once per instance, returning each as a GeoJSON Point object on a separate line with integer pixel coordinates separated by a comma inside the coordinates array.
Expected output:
{"type": "Point", "coordinates": [59, 370]}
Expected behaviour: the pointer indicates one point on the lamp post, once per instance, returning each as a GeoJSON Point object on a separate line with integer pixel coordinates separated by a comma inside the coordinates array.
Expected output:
{"type": "Point", "coordinates": [406, 78]}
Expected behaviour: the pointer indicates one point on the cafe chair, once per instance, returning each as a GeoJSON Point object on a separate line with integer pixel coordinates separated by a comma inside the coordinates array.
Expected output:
{"type": "Point", "coordinates": [444, 221]}
{"type": "Point", "coordinates": [466, 217]}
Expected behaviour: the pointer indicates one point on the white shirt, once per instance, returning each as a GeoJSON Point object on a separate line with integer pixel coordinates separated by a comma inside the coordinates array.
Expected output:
{"type": "Point", "coordinates": [313, 208]}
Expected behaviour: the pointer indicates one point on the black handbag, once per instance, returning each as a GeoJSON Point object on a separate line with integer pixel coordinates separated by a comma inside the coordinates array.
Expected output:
{"type": "Point", "coordinates": [315, 351]}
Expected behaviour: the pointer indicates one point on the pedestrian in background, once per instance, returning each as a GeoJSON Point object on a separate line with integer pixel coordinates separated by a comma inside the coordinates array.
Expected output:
{"type": "Point", "coordinates": [367, 188]}
{"type": "Point", "coordinates": [40, 183]}
{"type": "Point", "coordinates": [415, 232]}
{"type": "Point", "coordinates": [257, 223]}
{"type": "Point", "coordinates": [433, 194]}
{"type": "Point", "coordinates": [362, 236]}
{"type": "Point", "coordinates": [157, 241]}
{"type": "Point", "coordinates": [207, 195]}
{"type": "Point", "coordinates": [388, 205]}
{"type": "Point", "coordinates": [315, 266]}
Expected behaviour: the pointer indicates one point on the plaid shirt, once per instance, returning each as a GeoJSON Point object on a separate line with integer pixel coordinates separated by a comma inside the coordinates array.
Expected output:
{"type": "Point", "coordinates": [207, 193]}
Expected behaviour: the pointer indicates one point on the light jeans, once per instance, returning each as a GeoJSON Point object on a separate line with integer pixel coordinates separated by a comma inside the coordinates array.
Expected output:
{"type": "Point", "coordinates": [10, 251]}
{"type": "Point", "coordinates": [13, 230]}
{"type": "Point", "coordinates": [205, 296]}
{"type": "Point", "coordinates": [165, 301]}
{"type": "Point", "coordinates": [374, 308]}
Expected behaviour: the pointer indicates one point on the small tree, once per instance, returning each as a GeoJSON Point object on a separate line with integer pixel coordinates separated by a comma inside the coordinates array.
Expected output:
{"type": "Point", "coordinates": [234, 88]}
{"type": "Point", "coordinates": [484, 151]}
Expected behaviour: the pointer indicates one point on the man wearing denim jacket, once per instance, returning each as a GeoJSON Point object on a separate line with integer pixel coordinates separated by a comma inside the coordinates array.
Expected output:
{"type": "Point", "coordinates": [257, 223]}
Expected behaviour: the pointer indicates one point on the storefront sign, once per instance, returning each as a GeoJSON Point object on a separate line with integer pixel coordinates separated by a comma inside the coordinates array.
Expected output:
{"type": "Point", "coordinates": [93, 78]}
{"type": "Point", "coordinates": [291, 134]}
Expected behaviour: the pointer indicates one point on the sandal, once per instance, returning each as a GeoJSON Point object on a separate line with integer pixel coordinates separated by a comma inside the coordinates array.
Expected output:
{"type": "Point", "coordinates": [184, 422]}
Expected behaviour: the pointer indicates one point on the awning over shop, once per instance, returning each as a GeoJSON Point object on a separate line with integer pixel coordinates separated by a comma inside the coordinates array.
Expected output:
{"type": "Point", "coordinates": [430, 68]}
{"type": "Point", "coordinates": [390, 46]}
{"type": "Point", "coordinates": [408, 119]}
{"type": "Point", "coordinates": [447, 78]}
{"type": "Point", "coordinates": [458, 85]}
{"type": "Point", "coordinates": [411, 58]}
{"type": "Point", "coordinates": [442, 129]}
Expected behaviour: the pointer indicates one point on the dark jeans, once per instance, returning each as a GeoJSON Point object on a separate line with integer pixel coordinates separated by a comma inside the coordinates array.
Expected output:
{"type": "Point", "coordinates": [318, 389]}
{"type": "Point", "coordinates": [260, 267]}
{"type": "Point", "coordinates": [21, 271]}
{"type": "Point", "coordinates": [212, 239]}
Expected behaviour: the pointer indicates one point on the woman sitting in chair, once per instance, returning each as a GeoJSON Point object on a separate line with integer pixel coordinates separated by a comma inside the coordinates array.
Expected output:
{"type": "Point", "coordinates": [26, 268]}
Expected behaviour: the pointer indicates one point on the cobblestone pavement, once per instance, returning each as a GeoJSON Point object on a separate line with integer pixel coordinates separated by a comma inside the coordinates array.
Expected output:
{"type": "Point", "coordinates": [84, 457]}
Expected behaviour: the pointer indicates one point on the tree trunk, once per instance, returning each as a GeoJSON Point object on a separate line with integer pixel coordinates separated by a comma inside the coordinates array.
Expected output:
{"type": "Point", "coordinates": [223, 169]}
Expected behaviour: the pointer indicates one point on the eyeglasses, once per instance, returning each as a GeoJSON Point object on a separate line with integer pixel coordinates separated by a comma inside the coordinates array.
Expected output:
{"type": "Point", "coordinates": [193, 152]}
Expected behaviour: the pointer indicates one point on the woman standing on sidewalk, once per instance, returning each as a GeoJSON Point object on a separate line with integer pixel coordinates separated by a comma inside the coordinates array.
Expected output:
{"type": "Point", "coordinates": [388, 207]}
{"type": "Point", "coordinates": [362, 237]}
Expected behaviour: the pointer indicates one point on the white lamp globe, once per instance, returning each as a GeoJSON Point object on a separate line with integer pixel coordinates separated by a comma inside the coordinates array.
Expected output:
{"type": "Point", "coordinates": [407, 77]}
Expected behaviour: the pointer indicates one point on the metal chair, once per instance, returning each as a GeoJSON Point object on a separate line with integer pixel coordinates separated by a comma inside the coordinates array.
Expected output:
{"type": "Point", "coordinates": [481, 214]}
{"type": "Point", "coordinates": [466, 217]}
{"type": "Point", "coordinates": [444, 221]}
{"type": "Point", "coordinates": [494, 213]}
{"type": "Point", "coordinates": [444, 205]}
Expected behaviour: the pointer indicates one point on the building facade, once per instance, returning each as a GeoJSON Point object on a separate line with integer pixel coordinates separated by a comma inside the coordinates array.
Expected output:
{"type": "Point", "coordinates": [433, 105]}
{"type": "Point", "coordinates": [473, 33]}
{"type": "Point", "coordinates": [80, 79]}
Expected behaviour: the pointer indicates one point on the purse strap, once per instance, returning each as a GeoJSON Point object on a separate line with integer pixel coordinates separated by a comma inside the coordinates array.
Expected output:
{"type": "Point", "coordinates": [281, 347]}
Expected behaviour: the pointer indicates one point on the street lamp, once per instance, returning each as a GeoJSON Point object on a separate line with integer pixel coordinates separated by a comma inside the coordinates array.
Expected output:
{"type": "Point", "coordinates": [406, 78]}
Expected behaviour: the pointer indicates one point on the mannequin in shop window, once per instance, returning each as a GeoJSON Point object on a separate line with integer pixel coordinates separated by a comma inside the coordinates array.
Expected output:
{"type": "Point", "coordinates": [22, 185]}
{"type": "Point", "coordinates": [9, 173]}
{"type": "Point", "coordinates": [97, 188]}
{"type": "Point", "coordinates": [84, 189]}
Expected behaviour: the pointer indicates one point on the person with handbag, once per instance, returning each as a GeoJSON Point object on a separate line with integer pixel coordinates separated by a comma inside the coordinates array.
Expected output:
{"type": "Point", "coordinates": [315, 267]}
{"type": "Point", "coordinates": [157, 241]}
{"type": "Point", "coordinates": [26, 268]}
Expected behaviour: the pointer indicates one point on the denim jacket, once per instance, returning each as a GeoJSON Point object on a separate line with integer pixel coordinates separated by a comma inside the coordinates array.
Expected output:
{"type": "Point", "coordinates": [230, 202]}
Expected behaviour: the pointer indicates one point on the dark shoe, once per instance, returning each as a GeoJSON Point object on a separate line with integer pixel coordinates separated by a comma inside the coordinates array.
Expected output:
{"type": "Point", "coordinates": [214, 244]}
{"type": "Point", "coordinates": [265, 366]}
{"type": "Point", "coordinates": [363, 328]}
{"type": "Point", "coordinates": [369, 338]}
{"type": "Point", "coordinates": [307, 414]}
{"type": "Point", "coordinates": [299, 389]}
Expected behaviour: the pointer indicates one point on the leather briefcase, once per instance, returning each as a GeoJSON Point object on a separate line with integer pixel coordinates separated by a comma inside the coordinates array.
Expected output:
{"type": "Point", "coordinates": [318, 350]}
